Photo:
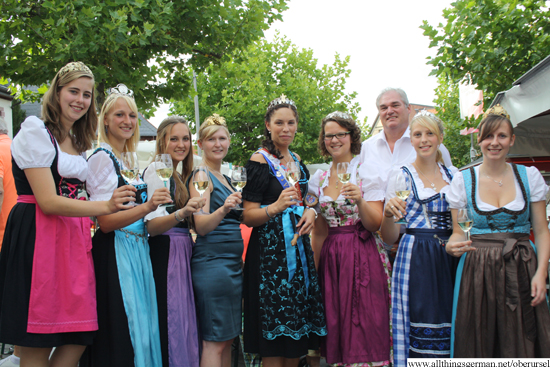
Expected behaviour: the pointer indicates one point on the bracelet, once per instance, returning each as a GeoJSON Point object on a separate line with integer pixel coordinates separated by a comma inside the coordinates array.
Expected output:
{"type": "Point", "coordinates": [266, 212]}
{"type": "Point", "coordinates": [178, 218]}
{"type": "Point", "coordinates": [315, 211]}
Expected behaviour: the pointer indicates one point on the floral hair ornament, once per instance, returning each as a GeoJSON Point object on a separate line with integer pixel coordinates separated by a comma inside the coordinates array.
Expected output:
{"type": "Point", "coordinates": [497, 110]}
{"type": "Point", "coordinates": [74, 66]}
{"type": "Point", "coordinates": [281, 100]}
{"type": "Point", "coordinates": [120, 89]}
{"type": "Point", "coordinates": [215, 119]}
{"type": "Point", "coordinates": [338, 114]}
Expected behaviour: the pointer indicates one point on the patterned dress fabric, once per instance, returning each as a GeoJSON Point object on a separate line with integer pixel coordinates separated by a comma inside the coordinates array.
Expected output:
{"type": "Point", "coordinates": [424, 275]}
{"type": "Point", "coordinates": [283, 315]}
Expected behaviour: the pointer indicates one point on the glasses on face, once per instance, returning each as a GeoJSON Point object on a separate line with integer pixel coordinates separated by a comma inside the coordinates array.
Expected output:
{"type": "Point", "coordinates": [339, 136]}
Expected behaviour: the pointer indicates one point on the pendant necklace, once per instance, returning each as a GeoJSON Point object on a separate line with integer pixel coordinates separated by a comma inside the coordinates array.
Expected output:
{"type": "Point", "coordinates": [422, 173]}
{"type": "Point", "coordinates": [495, 181]}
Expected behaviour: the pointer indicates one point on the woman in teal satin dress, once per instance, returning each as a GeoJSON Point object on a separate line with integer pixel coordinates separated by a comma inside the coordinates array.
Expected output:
{"type": "Point", "coordinates": [216, 262]}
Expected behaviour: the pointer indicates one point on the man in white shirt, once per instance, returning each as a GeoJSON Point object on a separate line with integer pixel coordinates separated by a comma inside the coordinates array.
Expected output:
{"type": "Point", "coordinates": [391, 148]}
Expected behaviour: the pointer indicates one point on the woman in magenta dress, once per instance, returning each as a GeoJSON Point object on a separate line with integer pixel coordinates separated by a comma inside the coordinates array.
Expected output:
{"type": "Point", "coordinates": [354, 270]}
{"type": "Point", "coordinates": [46, 265]}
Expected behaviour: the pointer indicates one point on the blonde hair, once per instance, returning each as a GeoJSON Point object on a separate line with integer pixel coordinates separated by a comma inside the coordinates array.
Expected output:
{"type": "Point", "coordinates": [435, 125]}
{"type": "Point", "coordinates": [211, 125]}
{"type": "Point", "coordinates": [103, 135]}
{"type": "Point", "coordinates": [164, 130]}
{"type": "Point", "coordinates": [83, 130]}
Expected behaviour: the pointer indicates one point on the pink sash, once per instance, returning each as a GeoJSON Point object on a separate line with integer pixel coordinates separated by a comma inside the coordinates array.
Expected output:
{"type": "Point", "coordinates": [63, 297]}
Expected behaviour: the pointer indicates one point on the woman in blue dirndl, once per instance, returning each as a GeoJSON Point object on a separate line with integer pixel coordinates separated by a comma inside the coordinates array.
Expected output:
{"type": "Point", "coordinates": [499, 306]}
{"type": "Point", "coordinates": [423, 274]}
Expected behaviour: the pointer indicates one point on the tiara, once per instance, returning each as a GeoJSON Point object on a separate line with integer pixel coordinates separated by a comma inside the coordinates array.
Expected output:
{"type": "Point", "coordinates": [425, 113]}
{"type": "Point", "coordinates": [341, 115]}
{"type": "Point", "coordinates": [281, 100]}
{"type": "Point", "coordinates": [74, 66]}
{"type": "Point", "coordinates": [174, 116]}
{"type": "Point", "coordinates": [215, 119]}
{"type": "Point", "coordinates": [121, 89]}
{"type": "Point", "coordinates": [497, 110]}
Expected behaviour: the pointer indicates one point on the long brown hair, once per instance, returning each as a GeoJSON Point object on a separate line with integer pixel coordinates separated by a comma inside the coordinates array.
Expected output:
{"type": "Point", "coordinates": [83, 131]}
{"type": "Point", "coordinates": [164, 130]}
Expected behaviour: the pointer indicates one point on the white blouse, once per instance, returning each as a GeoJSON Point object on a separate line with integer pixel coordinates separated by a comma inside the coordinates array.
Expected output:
{"type": "Point", "coordinates": [33, 148]}
{"type": "Point", "coordinates": [102, 178]}
{"type": "Point", "coordinates": [423, 192]}
{"type": "Point", "coordinates": [456, 197]}
{"type": "Point", "coordinates": [154, 182]}
{"type": "Point", "coordinates": [366, 176]}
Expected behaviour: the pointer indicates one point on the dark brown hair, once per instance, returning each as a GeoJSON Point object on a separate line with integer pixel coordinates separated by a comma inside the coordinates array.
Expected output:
{"type": "Point", "coordinates": [164, 130]}
{"type": "Point", "coordinates": [267, 143]}
{"type": "Point", "coordinates": [350, 125]}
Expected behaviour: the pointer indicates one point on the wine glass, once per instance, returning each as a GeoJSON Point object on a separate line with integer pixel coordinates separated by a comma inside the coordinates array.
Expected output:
{"type": "Point", "coordinates": [292, 174]}
{"type": "Point", "coordinates": [130, 168]}
{"type": "Point", "coordinates": [163, 165]}
{"type": "Point", "coordinates": [342, 170]}
{"type": "Point", "coordinates": [402, 191]}
{"type": "Point", "coordinates": [238, 179]}
{"type": "Point", "coordinates": [465, 221]}
{"type": "Point", "coordinates": [200, 182]}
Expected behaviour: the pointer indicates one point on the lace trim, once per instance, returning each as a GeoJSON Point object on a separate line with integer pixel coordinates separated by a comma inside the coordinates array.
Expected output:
{"type": "Point", "coordinates": [430, 339]}
{"type": "Point", "coordinates": [503, 209]}
{"type": "Point", "coordinates": [294, 334]}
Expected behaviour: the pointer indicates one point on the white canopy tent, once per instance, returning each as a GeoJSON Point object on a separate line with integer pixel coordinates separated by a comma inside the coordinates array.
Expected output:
{"type": "Point", "coordinates": [528, 103]}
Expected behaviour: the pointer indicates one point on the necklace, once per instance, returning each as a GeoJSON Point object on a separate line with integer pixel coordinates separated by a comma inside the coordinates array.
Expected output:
{"type": "Point", "coordinates": [495, 181]}
{"type": "Point", "coordinates": [422, 173]}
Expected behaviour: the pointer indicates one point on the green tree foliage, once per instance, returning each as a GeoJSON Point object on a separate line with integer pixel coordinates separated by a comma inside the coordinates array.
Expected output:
{"type": "Point", "coordinates": [18, 115]}
{"type": "Point", "coordinates": [241, 89]}
{"type": "Point", "coordinates": [490, 42]}
{"type": "Point", "coordinates": [448, 110]}
{"type": "Point", "coordinates": [150, 45]}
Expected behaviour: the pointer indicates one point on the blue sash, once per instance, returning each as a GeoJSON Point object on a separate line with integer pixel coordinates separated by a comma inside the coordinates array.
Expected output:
{"type": "Point", "coordinates": [288, 230]}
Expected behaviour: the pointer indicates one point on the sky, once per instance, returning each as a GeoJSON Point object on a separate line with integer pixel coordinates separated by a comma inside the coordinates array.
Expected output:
{"type": "Point", "coordinates": [382, 38]}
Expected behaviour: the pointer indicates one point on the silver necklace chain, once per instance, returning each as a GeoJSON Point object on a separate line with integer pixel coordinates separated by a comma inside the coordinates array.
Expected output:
{"type": "Point", "coordinates": [495, 181]}
{"type": "Point", "coordinates": [422, 173]}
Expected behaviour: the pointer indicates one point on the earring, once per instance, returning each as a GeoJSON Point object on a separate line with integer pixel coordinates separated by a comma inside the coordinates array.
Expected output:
{"type": "Point", "coordinates": [106, 129]}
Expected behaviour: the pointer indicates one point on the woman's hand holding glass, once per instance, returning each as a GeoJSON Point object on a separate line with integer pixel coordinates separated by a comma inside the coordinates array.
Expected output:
{"type": "Point", "coordinates": [285, 200]}
{"type": "Point", "coordinates": [396, 208]}
{"type": "Point", "coordinates": [193, 206]}
{"type": "Point", "coordinates": [160, 197]}
{"type": "Point", "coordinates": [232, 202]}
{"type": "Point", "coordinates": [121, 197]}
{"type": "Point", "coordinates": [459, 248]}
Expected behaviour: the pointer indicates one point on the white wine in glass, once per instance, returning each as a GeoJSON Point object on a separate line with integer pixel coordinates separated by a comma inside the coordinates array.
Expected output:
{"type": "Point", "coordinates": [402, 191]}
{"type": "Point", "coordinates": [342, 171]}
{"type": "Point", "coordinates": [130, 168]}
{"type": "Point", "coordinates": [164, 170]}
{"type": "Point", "coordinates": [238, 180]}
{"type": "Point", "coordinates": [200, 183]}
{"type": "Point", "coordinates": [465, 221]}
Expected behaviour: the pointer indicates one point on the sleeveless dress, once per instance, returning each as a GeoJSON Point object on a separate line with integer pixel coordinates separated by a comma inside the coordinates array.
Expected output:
{"type": "Point", "coordinates": [47, 283]}
{"type": "Point", "coordinates": [424, 274]}
{"type": "Point", "coordinates": [216, 267]}
{"type": "Point", "coordinates": [171, 257]}
{"type": "Point", "coordinates": [492, 312]}
{"type": "Point", "coordinates": [282, 317]}
{"type": "Point", "coordinates": [128, 332]}
{"type": "Point", "coordinates": [354, 274]}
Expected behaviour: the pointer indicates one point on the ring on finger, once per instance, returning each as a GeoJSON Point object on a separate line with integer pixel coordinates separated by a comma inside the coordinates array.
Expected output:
{"type": "Point", "coordinates": [290, 197]}
{"type": "Point", "coordinates": [393, 206]}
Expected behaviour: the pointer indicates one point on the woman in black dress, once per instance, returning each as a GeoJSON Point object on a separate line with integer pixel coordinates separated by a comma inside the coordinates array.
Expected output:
{"type": "Point", "coordinates": [283, 311]}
